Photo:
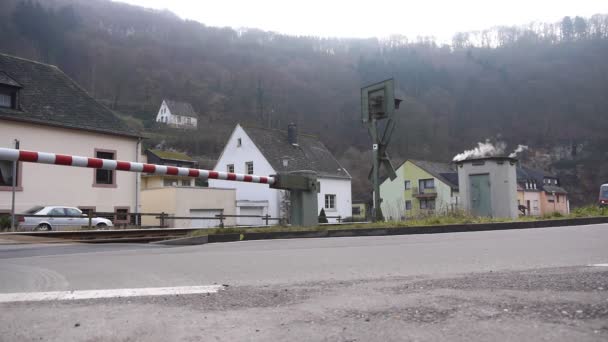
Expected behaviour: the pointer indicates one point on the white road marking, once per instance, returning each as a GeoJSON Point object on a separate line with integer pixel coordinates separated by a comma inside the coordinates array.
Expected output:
{"type": "Point", "coordinates": [598, 265]}
{"type": "Point", "coordinates": [113, 293]}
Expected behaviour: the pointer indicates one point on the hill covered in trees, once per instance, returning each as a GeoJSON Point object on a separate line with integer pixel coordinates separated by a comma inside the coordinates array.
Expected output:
{"type": "Point", "coordinates": [544, 85]}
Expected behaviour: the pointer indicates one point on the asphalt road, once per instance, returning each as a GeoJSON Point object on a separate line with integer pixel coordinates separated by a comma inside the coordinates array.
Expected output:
{"type": "Point", "coordinates": [505, 285]}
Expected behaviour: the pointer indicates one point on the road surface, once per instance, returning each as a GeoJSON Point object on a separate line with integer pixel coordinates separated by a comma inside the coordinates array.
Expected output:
{"type": "Point", "coordinates": [535, 284]}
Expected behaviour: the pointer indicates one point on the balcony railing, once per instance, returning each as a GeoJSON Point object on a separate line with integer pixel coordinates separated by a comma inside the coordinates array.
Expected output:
{"type": "Point", "coordinates": [424, 192]}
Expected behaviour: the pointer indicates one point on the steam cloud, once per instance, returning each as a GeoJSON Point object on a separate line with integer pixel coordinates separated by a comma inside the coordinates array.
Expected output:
{"type": "Point", "coordinates": [488, 149]}
{"type": "Point", "coordinates": [518, 150]}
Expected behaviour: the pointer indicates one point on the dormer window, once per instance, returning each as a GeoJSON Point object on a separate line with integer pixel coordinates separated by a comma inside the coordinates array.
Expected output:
{"type": "Point", "coordinates": [6, 100]}
{"type": "Point", "coordinates": [9, 92]}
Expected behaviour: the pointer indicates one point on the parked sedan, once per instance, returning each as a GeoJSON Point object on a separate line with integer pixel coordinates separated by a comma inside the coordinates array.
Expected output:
{"type": "Point", "coordinates": [58, 218]}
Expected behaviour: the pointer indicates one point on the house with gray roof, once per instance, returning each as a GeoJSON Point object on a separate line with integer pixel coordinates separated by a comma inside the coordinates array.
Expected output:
{"type": "Point", "coordinates": [263, 152]}
{"type": "Point", "coordinates": [45, 110]}
{"type": "Point", "coordinates": [421, 188]}
{"type": "Point", "coordinates": [540, 192]}
{"type": "Point", "coordinates": [177, 114]}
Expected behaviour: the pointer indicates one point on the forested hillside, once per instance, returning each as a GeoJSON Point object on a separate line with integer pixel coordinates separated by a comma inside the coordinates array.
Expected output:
{"type": "Point", "coordinates": [544, 85]}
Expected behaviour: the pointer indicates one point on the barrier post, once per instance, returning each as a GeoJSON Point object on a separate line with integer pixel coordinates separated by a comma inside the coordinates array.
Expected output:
{"type": "Point", "coordinates": [90, 216]}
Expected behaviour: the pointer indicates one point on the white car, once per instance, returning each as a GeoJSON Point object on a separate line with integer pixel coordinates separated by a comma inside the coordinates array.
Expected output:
{"type": "Point", "coordinates": [58, 218]}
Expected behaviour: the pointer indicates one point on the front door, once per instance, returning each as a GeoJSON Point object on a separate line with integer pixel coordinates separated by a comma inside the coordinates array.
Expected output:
{"type": "Point", "coordinates": [481, 204]}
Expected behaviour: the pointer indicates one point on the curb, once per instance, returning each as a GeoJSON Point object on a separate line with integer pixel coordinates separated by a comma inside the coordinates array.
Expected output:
{"type": "Point", "coordinates": [414, 230]}
{"type": "Point", "coordinates": [188, 241]}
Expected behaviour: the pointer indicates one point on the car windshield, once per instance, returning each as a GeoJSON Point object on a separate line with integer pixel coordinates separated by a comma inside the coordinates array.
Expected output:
{"type": "Point", "coordinates": [604, 191]}
{"type": "Point", "coordinates": [34, 210]}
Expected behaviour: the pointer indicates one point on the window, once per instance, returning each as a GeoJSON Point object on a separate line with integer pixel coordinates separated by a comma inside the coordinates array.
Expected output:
{"type": "Point", "coordinates": [285, 162]}
{"type": "Point", "coordinates": [249, 167]}
{"type": "Point", "coordinates": [73, 212]}
{"type": "Point", "coordinates": [105, 177]}
{"type": "Point", "coordinates": [6, 175]}
{"type": "Point", "coordinates": [535, 205]}
{"type": "Point", "coordinates": [428, 204]}
{"type": "Point", "coordinates": [57, 212]}
{"type": "Point", "coordinates": [408, 185]}
{"type": "Point", "coordinates": [230, 168]}
{"type": "Point", "coordinates": [426, 183]}
{"type": "Point", "coordinates": [185, 182]}
{"type": "Point", "coordinates": [550, 198]}
{"type": "Point", "coordinates": [121, 215]}
{"type": "Point", "coordinates": [356, 211]}
{"type": "Point", "coordinates": [6, 100]}
{"type": "Point", "coordinates": [330, 202]}
{"type": "Point", "coordinates": [189, 120]}
{"type": "Point", "coordinates": [408, 205]}
{"type": "Point", "coordinates": [239, 142]}
{"type": "Point", "coordinates": [169, 182]}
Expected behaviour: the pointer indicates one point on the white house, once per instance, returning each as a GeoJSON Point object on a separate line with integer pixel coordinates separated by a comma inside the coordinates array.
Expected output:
{"type": "Point", "coordinates": [266, 152]}
{"type": "Point", "coordinates": [177, 114]}
{"type": "Point", "coordinates": [47, 111]}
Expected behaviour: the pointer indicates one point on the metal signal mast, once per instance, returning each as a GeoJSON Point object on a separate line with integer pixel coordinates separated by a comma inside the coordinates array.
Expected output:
{"type": "Point", "coordinates": [378, 103]}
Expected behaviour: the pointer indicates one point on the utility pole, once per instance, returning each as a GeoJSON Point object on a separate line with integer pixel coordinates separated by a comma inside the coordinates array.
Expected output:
{"type": "Point", "coordinates": [378, 103]}
{"type": "Point", "coordinates": [14, 189]}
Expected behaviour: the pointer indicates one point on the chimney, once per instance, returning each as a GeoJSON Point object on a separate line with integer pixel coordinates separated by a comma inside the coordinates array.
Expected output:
{"type": "Point", "coordinates": [292, 134]}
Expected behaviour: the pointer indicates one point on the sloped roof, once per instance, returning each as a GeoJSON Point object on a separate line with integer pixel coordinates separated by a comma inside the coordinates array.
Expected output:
{"type": "Point", "coordinates": [49, 97]}
{"type": "Point", "coordinates": [172, 155]}
{"type": "Point", "coordinates": [7, 80]}
{"type": "Point", "coordinates": [181, 108]}
{"type": "Point", "coordinates": [445, 172]}
{"type": "Point", "coordinates": [526, 173]}
{"type": "Point", "coordinates": [310, 154]}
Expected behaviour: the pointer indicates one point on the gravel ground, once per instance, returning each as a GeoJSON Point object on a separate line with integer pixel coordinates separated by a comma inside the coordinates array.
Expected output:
{"type": "Point", "coordinates": [553, 304]}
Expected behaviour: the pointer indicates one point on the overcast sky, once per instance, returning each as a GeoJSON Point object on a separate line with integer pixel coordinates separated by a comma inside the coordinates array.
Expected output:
{"type": "Point", "coordinates": [379, 18]}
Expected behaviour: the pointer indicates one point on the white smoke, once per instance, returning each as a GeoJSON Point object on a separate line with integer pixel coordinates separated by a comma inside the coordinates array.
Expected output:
{"type": "Point", "coordinates": [518, 150]}
{"type": "Point", "coordinates": [488, 149]}
{"type": "Point", "coordinates": [483, 150]}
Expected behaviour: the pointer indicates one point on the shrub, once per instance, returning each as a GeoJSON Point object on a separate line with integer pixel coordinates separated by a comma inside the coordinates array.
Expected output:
{"type": "Point", "coordinates": [322, 216]}
{"type": "Point", "coordinates": [5, 222]}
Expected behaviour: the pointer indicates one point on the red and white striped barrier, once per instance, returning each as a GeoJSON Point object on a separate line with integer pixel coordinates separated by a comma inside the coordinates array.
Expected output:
{"type": "Point", "coordinates": [108, 164]}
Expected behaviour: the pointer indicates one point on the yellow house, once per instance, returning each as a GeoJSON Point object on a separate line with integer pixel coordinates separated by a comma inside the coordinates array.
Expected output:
{"type": "Point", "coordinates": [181, 197]}
{"type": "Point", "coordinates": [421, 188]}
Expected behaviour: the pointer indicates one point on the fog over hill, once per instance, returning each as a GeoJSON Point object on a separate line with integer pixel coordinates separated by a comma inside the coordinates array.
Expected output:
{"type": "Point", "coordinates": [543, 85]}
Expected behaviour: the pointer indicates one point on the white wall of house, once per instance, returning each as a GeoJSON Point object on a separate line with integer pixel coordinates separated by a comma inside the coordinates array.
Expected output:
{"type": "Point", "coordinates": [188, 202]}
{"type": "Point", "coordinates": [63, 185]}
{"type": "Point", "coordinates": [165, 116]}
{"type": "Point", "coordinates": [260, 195]}
{"type": "Point", "coordinates": [247, 194]}
{"type": "Point", "coordinates": [341, 188]}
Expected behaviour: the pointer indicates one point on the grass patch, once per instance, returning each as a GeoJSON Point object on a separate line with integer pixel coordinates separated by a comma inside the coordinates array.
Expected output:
{"type": "Point", "coordinates": [448, 219]}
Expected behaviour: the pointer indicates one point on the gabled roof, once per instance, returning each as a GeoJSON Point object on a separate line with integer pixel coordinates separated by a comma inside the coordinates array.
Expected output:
{"type": "Point", "coordinates": [526, 173]}
{"type": "Point", "coordinates": [181, 108]}
{"type": "Point", "coordinates": [310, 154]}
{"type": "Point", "coordinates": [171, 155]}
{"type": "Point", "coordinates": [49, 97]}
{"type": "Point", "coordinates": [7, 80]}
{"type": "Point", "coordinates": [445, 172]}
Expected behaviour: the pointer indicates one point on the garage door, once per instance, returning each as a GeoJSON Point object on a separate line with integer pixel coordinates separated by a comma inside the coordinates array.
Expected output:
{"type": "Point", "coordinates": [251, 221]}
{"type": "Point", "coordinates": [204, 223]}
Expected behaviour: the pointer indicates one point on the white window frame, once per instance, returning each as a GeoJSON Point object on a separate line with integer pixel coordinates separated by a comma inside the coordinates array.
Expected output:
{"type": "Point", "coordinates": [407, 184]}
{"type": "Point", "coordinates": [249, 167]}
{"type": "Point", "coordinates": [239, 142]}
{"type": "Point", "coordinates": [230, 168]}
{"type": "Point", "coordinates": [408, 207]}
{"type": "Point", "coordinates": [330, 202]}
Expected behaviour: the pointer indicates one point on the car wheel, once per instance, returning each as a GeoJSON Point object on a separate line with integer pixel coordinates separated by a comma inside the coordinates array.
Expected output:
{"type": "Point", "coordinates": [43, 227]}
{"type": "Point", "coordinates": [101, 226]}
